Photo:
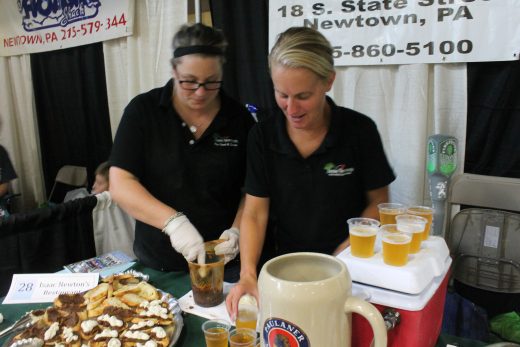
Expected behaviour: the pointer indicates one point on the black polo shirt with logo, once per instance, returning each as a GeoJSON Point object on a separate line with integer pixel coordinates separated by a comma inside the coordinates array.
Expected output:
{"type": "Point", "coordinates": [202, 178]}
{"type": "Point", "coordinates": [311, 199]}
{"type": "Point", "coordinates": [7, 172]}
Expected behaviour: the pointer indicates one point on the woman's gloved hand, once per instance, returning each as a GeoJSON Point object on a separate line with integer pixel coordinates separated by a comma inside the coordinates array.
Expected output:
{"type": "Point", "coordinates": [230, 247]}
{"type": "Point", "coordinates": [185, 238]}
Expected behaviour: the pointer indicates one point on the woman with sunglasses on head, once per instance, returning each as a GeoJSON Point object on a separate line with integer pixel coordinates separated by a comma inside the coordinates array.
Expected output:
{"type": "Point", "coordinates": [178, 159]}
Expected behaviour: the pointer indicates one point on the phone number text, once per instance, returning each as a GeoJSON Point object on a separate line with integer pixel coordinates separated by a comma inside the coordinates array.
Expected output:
{"type": "Point", "coordinates": [411, 49]}
{"type": "Point", "coordinates": [92, 27]}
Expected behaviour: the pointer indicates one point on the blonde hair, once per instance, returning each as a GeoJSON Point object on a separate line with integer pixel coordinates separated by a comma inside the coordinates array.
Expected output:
{"type": "Point", "coordinates": [302, 47]}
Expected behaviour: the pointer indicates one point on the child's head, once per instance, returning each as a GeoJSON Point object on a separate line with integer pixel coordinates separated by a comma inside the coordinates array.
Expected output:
{"type": "Point", "coordinates": [101, 182]}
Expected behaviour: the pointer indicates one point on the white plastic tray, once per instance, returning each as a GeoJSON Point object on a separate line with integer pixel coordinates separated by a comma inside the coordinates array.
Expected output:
{"type": "Point", "coordinates": [430, 262]}
{"type": "Point", "coordinates": [399, 300]}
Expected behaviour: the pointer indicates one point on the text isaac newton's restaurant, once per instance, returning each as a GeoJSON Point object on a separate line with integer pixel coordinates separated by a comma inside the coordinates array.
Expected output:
{"type": "Point", "coordinates": [275, 173]}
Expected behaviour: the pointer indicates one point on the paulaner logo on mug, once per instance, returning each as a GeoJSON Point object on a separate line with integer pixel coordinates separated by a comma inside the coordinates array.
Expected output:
{"type": "Point", "coordinates": [279, 332]}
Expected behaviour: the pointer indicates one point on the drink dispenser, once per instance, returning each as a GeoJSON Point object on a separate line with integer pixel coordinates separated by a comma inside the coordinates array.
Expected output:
{"type": "Point", "coordinates": [441, 164]}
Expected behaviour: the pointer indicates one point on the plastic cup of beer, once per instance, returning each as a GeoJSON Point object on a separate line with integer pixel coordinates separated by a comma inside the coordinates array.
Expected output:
{"type": "Point", "coordinates": [425, 212]}
{"type": "Point", "coordinates": [396, 246]}
{"type": "Point", "coordinates": [207, 280]}
{"type": "Point", "coordinates": [247, 312]}
{"type": "Point", "coordinates": [388, 211]}
{"type": "Point", "coordinates": [216, 333]}
{"type": "Point", "coordinates": [363, 233]}
{"type": "Point", "coordinates": [242, 337]}
{"type": "Point", "coordinates": [414, 225]}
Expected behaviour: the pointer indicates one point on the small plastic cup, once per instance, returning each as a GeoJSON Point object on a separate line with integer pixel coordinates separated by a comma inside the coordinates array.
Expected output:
{"type": "Point", "coordinates": [388, 211]}
{"type": "Point", "coordinates": [362, 233]}
{"type": "Point", "coordinates": [247, 312]}
{"type": "Point", "coordinates": [242, 337]}
{"type": "Point", "coordinates": [396, 246]}
{"type": "Point", "coordinates": [216, 332]}
{"type": "Point", "coordinates": [425, 212]}
{"type": "Point", "coordinates": [389, 228]}
{"type": "Point", "coordinates": [414, 225]}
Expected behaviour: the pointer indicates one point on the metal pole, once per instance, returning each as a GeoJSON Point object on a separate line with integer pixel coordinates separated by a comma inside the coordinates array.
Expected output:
{"type": "Point", "coordinates": [197, 11]}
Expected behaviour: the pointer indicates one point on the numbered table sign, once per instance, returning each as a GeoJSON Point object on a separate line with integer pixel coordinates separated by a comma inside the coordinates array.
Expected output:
{"type": "Point", "coordinates": [33, 288]}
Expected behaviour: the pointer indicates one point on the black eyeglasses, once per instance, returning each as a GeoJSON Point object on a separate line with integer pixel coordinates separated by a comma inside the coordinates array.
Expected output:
{"type": "Point", "coordinates": [194, 85]}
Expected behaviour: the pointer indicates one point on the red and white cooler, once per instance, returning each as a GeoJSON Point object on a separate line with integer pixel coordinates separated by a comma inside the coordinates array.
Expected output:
{"type": "Point", "coordinates": [416, 291]}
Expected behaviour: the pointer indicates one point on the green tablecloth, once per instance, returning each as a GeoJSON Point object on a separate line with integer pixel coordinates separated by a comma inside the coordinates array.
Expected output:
{"type": "Point", "coordinates": [178, 284]}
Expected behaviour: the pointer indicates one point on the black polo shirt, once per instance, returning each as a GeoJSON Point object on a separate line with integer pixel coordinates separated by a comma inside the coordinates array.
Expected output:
{"type": "Point", "coordinates": [7, 172]}
{"type": "Point", "coordinates": [311, 199]}
{"type": "Point", "coordinates": [202, 178]}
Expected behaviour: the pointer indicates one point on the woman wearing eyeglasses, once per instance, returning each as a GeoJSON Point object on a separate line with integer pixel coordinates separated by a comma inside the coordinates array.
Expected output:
{"type": "Point", "coordinates": [178, 159]}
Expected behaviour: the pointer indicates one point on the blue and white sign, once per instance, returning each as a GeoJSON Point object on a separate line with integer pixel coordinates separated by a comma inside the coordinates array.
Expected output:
{"type": "Point", "coordinates": [30, 26]}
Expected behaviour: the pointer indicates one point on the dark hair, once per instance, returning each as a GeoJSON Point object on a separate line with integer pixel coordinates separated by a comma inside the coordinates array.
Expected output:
{"type": "Point", "coordinates": [102, 169]}
{"type": "Point", "coordinates": [209, 41]}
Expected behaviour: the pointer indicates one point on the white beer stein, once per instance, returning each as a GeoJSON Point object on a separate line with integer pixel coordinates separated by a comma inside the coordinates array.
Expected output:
{"type": "Point", "coordinates": [305, 300]}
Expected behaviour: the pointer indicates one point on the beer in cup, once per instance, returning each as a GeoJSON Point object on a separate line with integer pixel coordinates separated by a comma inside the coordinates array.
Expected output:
{"type": "Point", "coordinates": [363, 233]}
{"type": "Point", "coordinates": [396, 246]}
{"type": "Point", "coordinates": [247, 312]}
{"type": "Point", "coordinates": [425, 212]}
{"type": "Point", "coordinates": [216, 332]}
{"type": "Point", "coordinates": [242, 337]}
{"type": "Point", "coordinates": [388, 211]}
{"type": "Point", "coordinates": [414, 225]}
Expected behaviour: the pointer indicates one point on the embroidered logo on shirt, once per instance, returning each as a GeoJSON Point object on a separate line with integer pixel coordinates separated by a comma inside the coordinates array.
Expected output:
{"type": "Point", "coordinates": [224, 141]}
{"type": "Point", "coordinates": [332, 169]}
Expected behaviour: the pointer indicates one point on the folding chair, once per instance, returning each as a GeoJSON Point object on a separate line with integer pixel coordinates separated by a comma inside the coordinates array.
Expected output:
{"type": "Point", "coordinates": [484, 238]}
{"type": "Point", "coordinates": [68, 177]}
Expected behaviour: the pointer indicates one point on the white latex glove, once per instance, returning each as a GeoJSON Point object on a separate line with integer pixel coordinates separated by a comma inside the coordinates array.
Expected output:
{"type": "Point", "coordinates": [104, 200]}
{"type": "Point", "coordinates": [228, 248]}
{"type": "Point", "coordinates": [186, 239]}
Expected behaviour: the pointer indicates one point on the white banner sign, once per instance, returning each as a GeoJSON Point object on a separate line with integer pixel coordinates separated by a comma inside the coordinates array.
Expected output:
{"type": "Point", "coordinates": [365, 32]}
{"type": "Point", "coordinates": [30, 26]}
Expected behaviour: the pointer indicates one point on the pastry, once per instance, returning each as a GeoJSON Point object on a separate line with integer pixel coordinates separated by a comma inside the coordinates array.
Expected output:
{"type": "Point", "coordinates": [120, 312]}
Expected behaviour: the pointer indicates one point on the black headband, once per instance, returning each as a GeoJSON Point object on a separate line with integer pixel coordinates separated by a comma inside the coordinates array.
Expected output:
{"type": "Point", "coordinates": [179, 52]}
